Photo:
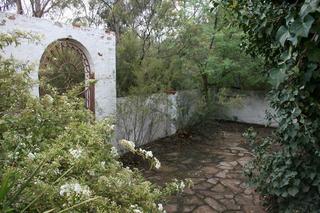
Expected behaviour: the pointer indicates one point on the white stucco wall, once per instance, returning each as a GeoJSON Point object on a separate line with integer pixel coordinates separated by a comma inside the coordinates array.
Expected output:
{"type": "Point", "coordinates": [252, 109]}
{"type": "Point", "coordinates": [145, 119]}
{"type": "Point", "coordinates": [99, 45]}
{"type": "Point", "coordinates": [177, 111]}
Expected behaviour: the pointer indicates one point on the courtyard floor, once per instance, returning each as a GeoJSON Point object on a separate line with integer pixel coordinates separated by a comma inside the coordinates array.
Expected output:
{"type": "Point", "coordinates": [213, 158]}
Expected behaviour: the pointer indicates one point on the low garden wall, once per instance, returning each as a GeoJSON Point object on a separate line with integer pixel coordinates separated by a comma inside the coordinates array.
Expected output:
{"type": "Point", "coordinates": [144, 119]}
{"type": "Point", "coordinates": [251, 109]}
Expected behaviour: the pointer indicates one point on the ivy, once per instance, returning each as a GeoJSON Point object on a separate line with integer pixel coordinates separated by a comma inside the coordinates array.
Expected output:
{"type": "Point", "coordinates": [286, 170]}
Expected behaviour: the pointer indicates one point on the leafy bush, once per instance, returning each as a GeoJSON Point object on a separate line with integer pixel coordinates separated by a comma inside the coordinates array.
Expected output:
{"type": "Point", "coordinates": [56, 158]}
{"type": "Point", "coordinates": [286, 34]}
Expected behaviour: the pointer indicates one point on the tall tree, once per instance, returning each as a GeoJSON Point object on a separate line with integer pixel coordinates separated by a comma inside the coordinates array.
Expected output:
{"type": "Point", "coordinates": [40, 7]}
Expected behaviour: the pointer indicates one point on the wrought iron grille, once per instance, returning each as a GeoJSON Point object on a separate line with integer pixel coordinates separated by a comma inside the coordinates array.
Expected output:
{"type": "Point", "coordinates": [55, 56]}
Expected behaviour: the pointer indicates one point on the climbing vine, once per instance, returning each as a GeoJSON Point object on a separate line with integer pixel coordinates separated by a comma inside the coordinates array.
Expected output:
{"type": "Point", "coordinates": [286, 169]}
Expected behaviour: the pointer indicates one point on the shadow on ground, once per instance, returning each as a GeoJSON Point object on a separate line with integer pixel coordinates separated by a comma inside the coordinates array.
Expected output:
{"type": "Point", "coordinates": [212, 156]}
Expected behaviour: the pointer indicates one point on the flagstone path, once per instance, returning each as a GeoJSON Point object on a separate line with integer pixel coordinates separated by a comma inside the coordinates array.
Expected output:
{"type": "Point", "coordinates": [214, 160]}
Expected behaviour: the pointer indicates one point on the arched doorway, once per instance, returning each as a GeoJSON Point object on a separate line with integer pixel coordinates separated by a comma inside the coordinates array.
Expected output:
{"type": "Point", "coordinates": [65, 64]}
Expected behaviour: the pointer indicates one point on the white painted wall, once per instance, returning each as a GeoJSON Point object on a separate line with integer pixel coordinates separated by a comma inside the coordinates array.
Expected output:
{"type": "Point", "coordinates": [145, 119]}
{"type": "Point", "coordinates": [99, 45]}
{"type": "Point", "coordinates": [252, 109]}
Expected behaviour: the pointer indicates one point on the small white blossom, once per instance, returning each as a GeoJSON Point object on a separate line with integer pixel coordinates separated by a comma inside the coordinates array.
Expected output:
{"type": "Point", "coordinates": [114, 152]}
{"type": "Point", "coordinates": [103, 164]}
{"type": "Point", "coordinates": [129, 145]}
{"type": "Point", "coordinates": [135, 209]}
{"type": "Point", "coordinates": [157, 163]}
{"type": "Point", "coordinates": [76, 153]}
{"type": "Point", "coordinates": [56, 171]}
{"type": "Point", "coordinates": [31, 156]}
{"type": "Point", "coordinates": [149, 154]}
{"type": "Point", "coordinates": [161, 209]}
{"type": "Point", "coordinates": [74, 188]}
{"type": "Point", "coordinates": [92, 172]}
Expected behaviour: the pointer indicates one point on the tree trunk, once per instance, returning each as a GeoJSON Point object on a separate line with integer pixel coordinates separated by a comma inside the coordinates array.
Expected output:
{"type": "Point", "coordinates": [19, 7]}
{"type": "Point", "coordinates": [205, 87]}
{"type": "Point", "coordinates": [37, 9]}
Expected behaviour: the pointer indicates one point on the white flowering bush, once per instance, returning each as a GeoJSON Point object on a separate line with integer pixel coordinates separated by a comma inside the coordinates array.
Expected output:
{"type": "Point", "coordinates": [148, 155]}
{"type": "Point", "coordinates": [56, 157]}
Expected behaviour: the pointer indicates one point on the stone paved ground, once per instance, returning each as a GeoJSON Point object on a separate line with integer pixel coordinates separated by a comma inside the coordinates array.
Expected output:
{"type": "Point", "coordinates": [214, 160]}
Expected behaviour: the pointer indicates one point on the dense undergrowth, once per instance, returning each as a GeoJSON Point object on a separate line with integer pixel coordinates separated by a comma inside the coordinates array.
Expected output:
{"type": "Point", "coordinates": [55, 157]}
{"type": "Point", "coordinates": [286, 35]}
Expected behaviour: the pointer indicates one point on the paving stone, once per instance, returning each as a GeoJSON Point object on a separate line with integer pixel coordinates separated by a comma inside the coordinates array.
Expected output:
{"type": "Point", "coordinates": [214, 165]}
{"type": "Point", "coordinates": [239, 149]}
{"type": "Point", "coordinates": [222, 174]}
{"type": "Point", "coordinates": [204, 209]}
{"type": "Point", "coordinates": [170, 208]}
{"type": "Point", "coordinates": [173, 154]}
{"type": "Point", "coordinates": [218, 188]}
{"type": "Point", "coordinates": [248, 191]}
{"type": "Point", "coordinates": [244, 199]}
{"type": "Point", "coordinates": [244, 160]}
{"type": "Point", "coordinates": [188, 208]}
{"type": "Point", "coordinates": [197, 180]}
{"type": "Point", "coordinates": [187, 161]}
{"type": "Point", "coordinates": [225, 167]}
{"type": "Point", "coordinates": [231, 182]}
{"type": "Point", "coordinates": [256, 199]}
{"type": "Point", "coordinates": [224, 164]}
{"type": "Point", "coordinates": [233, 163]}
{"type": "Point", "coordinates": [167, 169]}
{"type": "Point", "coordinates": [215, 195]}
{"type": "Point", "coordinates": [213, 181]}
{"type": "Point", "coordinates": [210, 170]}
{"type": "Point", "coordinates": [230, 204]}
{"type": "Point", "coordinates": [188, 191]}
{"type": "Point", "coordinates": [234, 151]}
{"type": "Point", "coordinates": [232, 185]}
{"type": "Point", "coordinates": [243, 185]}
{"type": "Point", "coordinates": [229, 196]}
{"type": "Point", "coordinates": [202, 186]}
{"type": "Point", "coordinates": [253, 209]}
{"type": "Point", "coordinates": [193, 200]}
{"type": "Point", "coordinates": [215, 204]}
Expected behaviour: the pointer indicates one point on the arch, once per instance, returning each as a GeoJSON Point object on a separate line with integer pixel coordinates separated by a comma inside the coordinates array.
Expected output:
{"type": "Point", "coordinates": [84, 62]}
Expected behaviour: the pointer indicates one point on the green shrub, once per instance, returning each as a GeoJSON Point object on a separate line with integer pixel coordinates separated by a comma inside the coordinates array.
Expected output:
{"type": "Point", "coordinates": [56, 158]}
{"type": "Point", "coordinates": [286, 34]}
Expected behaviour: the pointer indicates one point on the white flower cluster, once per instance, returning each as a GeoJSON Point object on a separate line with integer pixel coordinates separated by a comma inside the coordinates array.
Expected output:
{"type": "Point", "coordinates": [129, 145]}
{"type": "Point", "coordinates": [76, 153]}
{"type": "Point", "coordinates": [146, 154]}
{"type": "Point", "coordinates": [114, 152]}
{"type": "Point", "coordinates": [103, 164]}
{"type": "Point", "coordinates": [149, 156]}
{"type": "Point", "coordinates": [31, 156]}
{"type": "Point", "coordinates": [110, 127]}
{"type": "Point", "coordinates": [74, 188]}
{"type": "Point", "coordinates": [160, 208]}
{"type": "Point", "coordinates": [136, 209]}
{"type": "Point", "coordinates": [178, 186]}
{"type": "Point", "coordinates": [157, 163]}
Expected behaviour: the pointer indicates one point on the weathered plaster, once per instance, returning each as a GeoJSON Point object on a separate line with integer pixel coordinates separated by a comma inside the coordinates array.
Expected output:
{"type": "Point", "coordinates": [97, 44]}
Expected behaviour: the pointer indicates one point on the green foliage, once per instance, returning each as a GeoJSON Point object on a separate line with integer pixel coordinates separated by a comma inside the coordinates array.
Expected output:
{"type": "Point", "coordinates": [56, 158]}
{"type": "Point", "coordinates": [162, 46]}
{"type": "Point", "coordinates": [287, 36]}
